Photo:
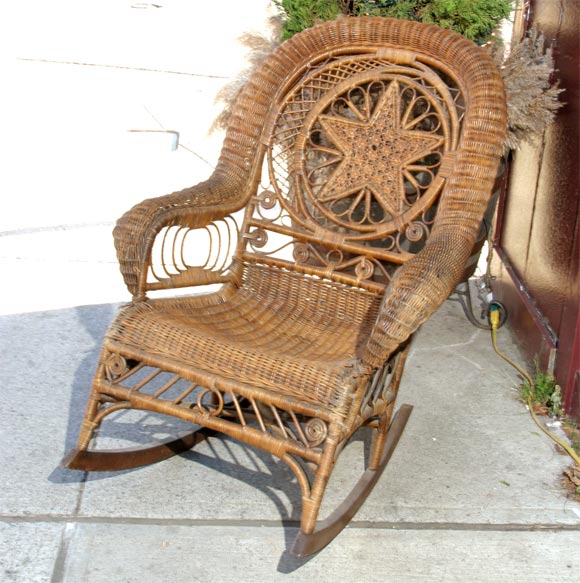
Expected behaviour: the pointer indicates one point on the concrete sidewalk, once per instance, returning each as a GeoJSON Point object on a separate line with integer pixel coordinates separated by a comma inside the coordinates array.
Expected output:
{"type": "Point", "coordinates": [471, 494]}
{"type": "Point", "coordinates": [94, 89]}
{"type": "Point", "coordinates": [473, 491]}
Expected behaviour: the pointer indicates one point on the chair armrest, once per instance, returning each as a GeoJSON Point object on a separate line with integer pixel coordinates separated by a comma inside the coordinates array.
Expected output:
{"type": "Point", "coordinates": [417, 290]}
{"type": "Point", "coordinates": [194, 207]}
{"type": "Point", "coordinates": [426, 280]}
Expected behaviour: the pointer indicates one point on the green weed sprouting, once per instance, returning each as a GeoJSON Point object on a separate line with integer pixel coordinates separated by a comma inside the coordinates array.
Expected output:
{"type": "Point", "coordinates": [545, 394]}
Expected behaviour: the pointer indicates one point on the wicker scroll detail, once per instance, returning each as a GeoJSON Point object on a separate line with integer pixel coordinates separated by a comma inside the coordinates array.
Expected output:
{"type": "Point", "coordinates": [357, 158]}
{"type": "Point", "coordinates": [316, 432]}
{"type": "Point", "coordinates": [216, 402]}
{"type": "Point", "coordinates": [308, 432]}
{"type": "Point", "coordinates": [115, 365]}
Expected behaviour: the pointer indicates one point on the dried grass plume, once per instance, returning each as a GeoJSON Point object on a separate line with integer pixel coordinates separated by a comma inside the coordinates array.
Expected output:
{"type": "Point", "coordinates": [532, 100]}
{"type": "Point", "coordinates": [260, 47]}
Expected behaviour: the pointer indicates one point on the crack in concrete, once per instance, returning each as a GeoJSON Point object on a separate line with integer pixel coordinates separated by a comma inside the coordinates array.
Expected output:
{"type": "Point", "coordinates": [59, 568]}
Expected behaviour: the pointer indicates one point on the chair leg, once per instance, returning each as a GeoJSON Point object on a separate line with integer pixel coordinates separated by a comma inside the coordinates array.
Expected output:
{"type": "Point", "coordinates": [311, 540]}
{"type": "Point", "coordinates": [83, 458]}
{"type": "Point", "coordinates": [380, 435]}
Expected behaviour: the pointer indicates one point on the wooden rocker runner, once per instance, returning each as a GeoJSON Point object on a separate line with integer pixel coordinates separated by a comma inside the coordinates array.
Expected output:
{"type": "Point", "coordinates": [354, 174]}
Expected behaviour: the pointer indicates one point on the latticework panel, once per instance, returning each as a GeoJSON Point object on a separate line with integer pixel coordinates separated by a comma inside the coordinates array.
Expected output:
{"type": "Point", "coordinates": [357, 158]}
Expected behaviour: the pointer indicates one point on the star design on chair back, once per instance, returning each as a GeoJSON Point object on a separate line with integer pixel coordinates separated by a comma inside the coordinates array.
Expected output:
{"type": "Point", "coordinates": [375, 153]}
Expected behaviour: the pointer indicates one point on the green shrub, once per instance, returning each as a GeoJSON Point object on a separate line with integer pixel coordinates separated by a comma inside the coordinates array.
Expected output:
{"type": "Point", "coordinates": [302, 14]}
{"type": "Point", "coordinates": [475, 19]}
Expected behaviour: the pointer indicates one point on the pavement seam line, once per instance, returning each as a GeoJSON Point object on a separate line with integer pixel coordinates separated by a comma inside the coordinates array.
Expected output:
{"type": "Point", "coordinates": [55, 228]}
{"type": "Point", "coordinates": [123, 67]}
{"type": "Point", "coordinates": [364, 525]}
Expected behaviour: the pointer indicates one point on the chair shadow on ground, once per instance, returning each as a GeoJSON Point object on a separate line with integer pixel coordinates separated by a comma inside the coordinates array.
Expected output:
{"type": "Point", "coordinates": [227, 457]}
{"type": "Point", "coordinates": [222, 454]}
{"type": "Point", "coordinates": [95, 320]}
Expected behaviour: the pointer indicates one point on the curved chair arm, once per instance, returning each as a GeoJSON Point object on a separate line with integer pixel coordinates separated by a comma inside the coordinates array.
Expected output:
{"type": "Point", "coordinates": [422, 284]}
{"type": "Point", "coordinates": [416, 291]}
{"type": "Point", "coordinates": [193, 207]}
{"type": "Point", "coordinates": [234, 180]}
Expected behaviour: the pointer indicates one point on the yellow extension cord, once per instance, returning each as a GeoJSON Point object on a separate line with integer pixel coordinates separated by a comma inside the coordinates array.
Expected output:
{"type": "Point", "coordinates": [494, 319]}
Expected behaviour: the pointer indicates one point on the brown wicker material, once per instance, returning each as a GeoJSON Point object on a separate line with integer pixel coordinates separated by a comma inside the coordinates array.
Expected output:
{"type": "Point", "coordinates": [363, 152]}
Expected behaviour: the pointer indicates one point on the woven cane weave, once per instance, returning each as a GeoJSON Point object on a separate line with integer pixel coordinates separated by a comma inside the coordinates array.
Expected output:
{"type": "Point", "coordinates": [280, 331]}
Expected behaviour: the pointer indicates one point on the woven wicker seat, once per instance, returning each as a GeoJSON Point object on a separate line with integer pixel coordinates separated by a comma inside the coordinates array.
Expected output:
{"type": "Point", "coordinates": [355, 171]}
{"type": "Point", "coordinates": [262, 335]}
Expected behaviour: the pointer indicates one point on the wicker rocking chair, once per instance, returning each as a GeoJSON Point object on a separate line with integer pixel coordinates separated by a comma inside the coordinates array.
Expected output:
{"type": "Point", "coordinates": [363, 152]}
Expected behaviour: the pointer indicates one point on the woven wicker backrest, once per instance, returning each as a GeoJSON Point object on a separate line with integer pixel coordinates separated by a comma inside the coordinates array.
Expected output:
{"type": "Point", "coordinates": [359, 136]}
